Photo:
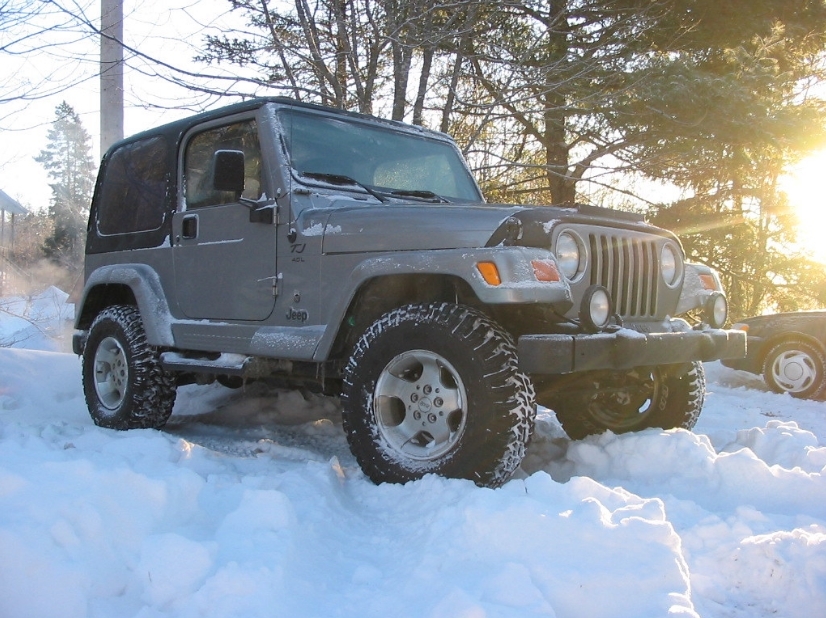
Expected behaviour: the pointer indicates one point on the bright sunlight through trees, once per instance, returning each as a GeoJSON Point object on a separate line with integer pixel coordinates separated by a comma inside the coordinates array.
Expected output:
{"type": "Point", "coordinates": [806, 188]}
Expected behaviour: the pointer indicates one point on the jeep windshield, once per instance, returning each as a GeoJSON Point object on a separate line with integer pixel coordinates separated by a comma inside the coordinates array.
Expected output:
{"type": "Point", "coordinates": [395, 163]}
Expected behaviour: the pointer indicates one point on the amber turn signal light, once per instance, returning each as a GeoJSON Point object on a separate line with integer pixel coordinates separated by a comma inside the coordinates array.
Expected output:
{"type": "Point", "coordinates": [489, 272]}
{"type": "Point", "coordinates": [708, 282]}
{"type": "Point", "coordinates": [545, 270]}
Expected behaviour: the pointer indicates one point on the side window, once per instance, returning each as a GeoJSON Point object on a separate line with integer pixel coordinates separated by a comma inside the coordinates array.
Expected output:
{"type": "Point", "coordinates": [198, 161]}
{"type": "Point", "coordinates": [134, 188]}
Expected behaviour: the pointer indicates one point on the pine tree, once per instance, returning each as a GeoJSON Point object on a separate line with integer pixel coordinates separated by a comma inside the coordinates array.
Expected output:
{"type": "Point", "coordinates": [68, 161]}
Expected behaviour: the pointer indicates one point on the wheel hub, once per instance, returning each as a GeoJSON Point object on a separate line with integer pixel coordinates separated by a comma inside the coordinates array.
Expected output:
{"type": "Point", "coordinates": [420, 405]}
{"type": "Point", "coordinates": [622, 400]}
{"type": "Point", "coordinates": [111, 373]}
{"type": "Point", "coordinates": [794, 371]}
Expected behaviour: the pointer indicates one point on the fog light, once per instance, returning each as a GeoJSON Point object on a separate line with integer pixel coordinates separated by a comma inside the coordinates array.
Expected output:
{"type": "Point", "coordinates": [716, 310]}
{"type": "Point", "coordinates": [595, 311]}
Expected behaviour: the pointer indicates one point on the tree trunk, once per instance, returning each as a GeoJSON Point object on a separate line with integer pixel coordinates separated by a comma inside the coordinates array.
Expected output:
{"type": "Point", "coordinates": [424, 78]}
{"type": "Point", "coordinates": [401, 75]}
{"type": "Point", "coordinates": [555, 140]}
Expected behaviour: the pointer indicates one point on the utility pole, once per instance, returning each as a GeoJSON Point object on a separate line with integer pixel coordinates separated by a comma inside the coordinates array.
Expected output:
{"type": "Point", "coordinates": [111, 73]}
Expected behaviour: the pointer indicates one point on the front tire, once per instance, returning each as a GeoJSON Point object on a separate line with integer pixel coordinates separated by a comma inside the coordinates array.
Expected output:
{"type": "Point", "coordinates": [795, 367]}
{"type": "Point", "coordinates": [434, 388]}
{"type": "Point", "coordinates": [666, 396]}
{"type": "Point", "coordinates": [123, 381]}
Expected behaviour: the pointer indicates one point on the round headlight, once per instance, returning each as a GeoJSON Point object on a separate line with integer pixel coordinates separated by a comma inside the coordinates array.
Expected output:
{"type": "Point", "coordinates": [669, 264]}
{"type": "Point", "coordinates": [569, 254]}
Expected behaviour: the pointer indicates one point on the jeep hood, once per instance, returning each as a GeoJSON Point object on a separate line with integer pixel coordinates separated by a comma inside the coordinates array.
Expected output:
{"type": "Point", "coordinates": [400, 227]}
{"type": "Point", "coordinates": [417, 226]}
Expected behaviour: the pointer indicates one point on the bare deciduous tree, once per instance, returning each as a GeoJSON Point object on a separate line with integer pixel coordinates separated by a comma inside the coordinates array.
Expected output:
{"type": "Point", "coordinates": [32, 30]}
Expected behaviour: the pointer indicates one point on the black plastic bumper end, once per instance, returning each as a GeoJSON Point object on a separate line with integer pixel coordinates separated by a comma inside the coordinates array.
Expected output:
{"type": "Point", "coordinates": [555, 354]}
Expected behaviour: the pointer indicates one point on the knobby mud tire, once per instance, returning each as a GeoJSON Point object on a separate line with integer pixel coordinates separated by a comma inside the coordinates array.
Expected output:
{"type": "Point", "coordinates": [123, 381]}
{"type": "Point", "coordinates": [493, 405]}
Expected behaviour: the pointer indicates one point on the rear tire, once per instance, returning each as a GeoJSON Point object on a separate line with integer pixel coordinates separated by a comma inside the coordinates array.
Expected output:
{"type": "Point", "coordinates": [435, 388]}
{"type": "Point", "coordinates": [123, 381]}
{"type": "Point", "coordinates": [795, 367]}
{"type": "Point", "coordinates": [666, 396]}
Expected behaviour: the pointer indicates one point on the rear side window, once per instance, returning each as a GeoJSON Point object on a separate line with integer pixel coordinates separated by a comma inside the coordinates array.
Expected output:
{"type": "Point", "coordinates": [134, 188]}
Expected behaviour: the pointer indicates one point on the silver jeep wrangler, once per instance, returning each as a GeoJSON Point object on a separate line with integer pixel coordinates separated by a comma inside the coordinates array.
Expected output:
{"type": "Point", "coordinates": [284, 241]}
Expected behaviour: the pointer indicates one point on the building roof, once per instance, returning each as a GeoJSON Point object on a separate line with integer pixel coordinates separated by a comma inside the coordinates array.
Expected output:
{"type": "Point", "coordinates": [11, 205]}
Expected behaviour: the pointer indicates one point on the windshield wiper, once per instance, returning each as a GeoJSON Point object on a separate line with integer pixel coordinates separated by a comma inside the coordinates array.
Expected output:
{"type": "Point", "coordinates": [339, 179]}
{"type": "Point", "coordinates": [422, 195]}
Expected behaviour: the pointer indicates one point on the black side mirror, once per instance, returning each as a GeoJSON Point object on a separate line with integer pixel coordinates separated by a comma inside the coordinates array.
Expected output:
{"type": "Point", "coordinates": [228, 171]}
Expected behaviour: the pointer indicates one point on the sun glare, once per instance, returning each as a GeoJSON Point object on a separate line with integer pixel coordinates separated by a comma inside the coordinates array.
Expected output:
{"type": "Point", "coordinates": [806, 188]}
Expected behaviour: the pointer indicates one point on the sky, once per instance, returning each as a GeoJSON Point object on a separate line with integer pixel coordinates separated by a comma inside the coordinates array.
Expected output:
{"type": "Point", "coordinates": [249, 504]}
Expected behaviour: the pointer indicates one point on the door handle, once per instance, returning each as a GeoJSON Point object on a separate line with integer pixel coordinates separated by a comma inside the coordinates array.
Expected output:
{"type": "Point", "coordinates": [189, 226]}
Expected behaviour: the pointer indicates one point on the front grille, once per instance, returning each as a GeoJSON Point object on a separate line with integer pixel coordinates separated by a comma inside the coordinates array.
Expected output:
{"type": "Point", "coordinates": [627, 267]}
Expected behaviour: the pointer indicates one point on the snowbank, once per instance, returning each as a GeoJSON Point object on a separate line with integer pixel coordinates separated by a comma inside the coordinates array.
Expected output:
{"type": "Point", "coordinates": [242, 507]}
{"type": "Point", "coordinates": [39, 322]}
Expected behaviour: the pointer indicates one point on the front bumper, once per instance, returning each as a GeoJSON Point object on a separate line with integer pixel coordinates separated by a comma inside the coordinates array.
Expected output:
{"type": "Point", "coordinates": [555, 354]}
{"type": "Point", "coordinates": [753, 360]}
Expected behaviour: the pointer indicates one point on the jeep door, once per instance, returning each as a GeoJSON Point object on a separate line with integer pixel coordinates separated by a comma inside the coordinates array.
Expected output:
{"type": "Point", "coordinates": [225, 264]}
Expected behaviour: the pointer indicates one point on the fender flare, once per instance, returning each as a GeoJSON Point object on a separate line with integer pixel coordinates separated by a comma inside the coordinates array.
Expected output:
{"type": "Point", "coordinates": [518, 286]}
{"type": "Point", "coordinates": [146, 287]}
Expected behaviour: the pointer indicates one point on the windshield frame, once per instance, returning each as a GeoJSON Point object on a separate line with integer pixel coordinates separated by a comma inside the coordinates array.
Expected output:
{"type": "Point", "coordinates": [358, 152]}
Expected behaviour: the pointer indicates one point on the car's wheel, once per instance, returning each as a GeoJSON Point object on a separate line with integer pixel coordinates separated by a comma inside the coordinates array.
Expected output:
{"type": "Point", "coordinates": [435, 388]}
{"type": "Point", "coordinates": [795, 367]}
{"type": "Point", "coordinates": [666, 396]}
{"type": "Point", "coordinates": [123, 381]}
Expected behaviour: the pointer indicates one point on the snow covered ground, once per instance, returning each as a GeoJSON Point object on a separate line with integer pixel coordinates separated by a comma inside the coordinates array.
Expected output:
{"type": "Point", "coordinates": [249, 504]}
{"type": "Point", "coordinates": [40, 321]}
